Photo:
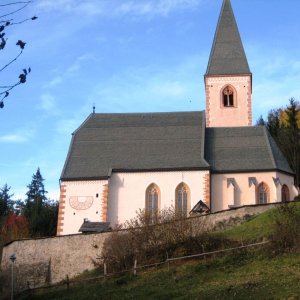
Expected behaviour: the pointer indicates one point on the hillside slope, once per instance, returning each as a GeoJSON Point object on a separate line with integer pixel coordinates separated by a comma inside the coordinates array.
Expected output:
{"type": "Point", "coordinates": [258, 273]}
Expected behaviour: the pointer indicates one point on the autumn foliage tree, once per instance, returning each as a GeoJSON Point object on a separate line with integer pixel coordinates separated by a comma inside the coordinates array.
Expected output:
{"type": "Point", "coordinates": [15, 227]}
{"type": "Point", "coordinates": [8, 12]}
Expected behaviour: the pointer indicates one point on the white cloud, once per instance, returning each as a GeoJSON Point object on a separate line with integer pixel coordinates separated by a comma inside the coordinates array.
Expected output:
{"type": "Point", "coordinates": [47, 102]}
{"type": "Point", "coordinates": [171, 89]}
{"type": "Point", "coordinates": [116, 8]}
{"type": "Point", "coordinates": [87, 7]}
{"type": "Point", "coordinates": [17, 137]}
{"type": "Point", "coordinates": [276, 80]}
{"type": "Point", "coordinates": [54, 82]}
{"type": "Point", "coordinates": [67, 126]}
{"type": "Point", "coordinates": [71, 70]}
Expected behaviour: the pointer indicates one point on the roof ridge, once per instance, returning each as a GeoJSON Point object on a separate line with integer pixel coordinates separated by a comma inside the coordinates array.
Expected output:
{"type": "Point", "coordinates": [266, 134]}
{"type": "Point", "coordinates": [148, 113]}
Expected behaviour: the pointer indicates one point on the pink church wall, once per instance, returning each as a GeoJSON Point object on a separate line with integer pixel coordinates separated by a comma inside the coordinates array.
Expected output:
{"type": "Point", "coordinates": [244, 194]}
{"type": "Point", "coordinates": [127, 191]}
{"type": "Point", "coordinates": [219, 116]}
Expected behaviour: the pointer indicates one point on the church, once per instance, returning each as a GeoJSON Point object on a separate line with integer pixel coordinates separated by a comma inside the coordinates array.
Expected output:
{"type": "Point", "coordinates": [212, 160]}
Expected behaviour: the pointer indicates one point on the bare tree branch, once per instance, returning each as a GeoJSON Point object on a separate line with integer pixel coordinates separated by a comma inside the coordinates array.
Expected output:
{"type": "Point", "coordinates": [15, 11]}
{"type": "Point", "coordinates": [15, 3]}
{"type": "Point", "coordinates": [4, 23]}
{"type": "Point", "coordinates": [23, 21]}
{"type": "Point", "coordinates": [11, 61]}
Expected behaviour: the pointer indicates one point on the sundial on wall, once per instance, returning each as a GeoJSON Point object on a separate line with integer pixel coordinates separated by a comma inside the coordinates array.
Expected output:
{"type": "Point", "coordinates": [81, 202]}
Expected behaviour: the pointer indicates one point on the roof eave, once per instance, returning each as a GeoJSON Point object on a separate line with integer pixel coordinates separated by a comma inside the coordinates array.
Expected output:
{"type": "Point", "coordinates": [250, 171]}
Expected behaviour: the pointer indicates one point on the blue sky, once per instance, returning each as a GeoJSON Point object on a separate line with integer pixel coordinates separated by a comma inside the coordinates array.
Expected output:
{"type": "Point", "coordinates": [128, 56]}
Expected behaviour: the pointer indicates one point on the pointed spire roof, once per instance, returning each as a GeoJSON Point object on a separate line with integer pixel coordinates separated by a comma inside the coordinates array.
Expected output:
{"type": "Point", "coordinates": [227, 55]}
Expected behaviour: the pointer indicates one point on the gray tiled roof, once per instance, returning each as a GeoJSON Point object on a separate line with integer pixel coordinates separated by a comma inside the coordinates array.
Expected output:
{"type": "Point", "coordinates": [227, 55]}
{"type": "Point", "coordinates": [233, 149]}
{"type": "Point", "coordinates": [129, 142]}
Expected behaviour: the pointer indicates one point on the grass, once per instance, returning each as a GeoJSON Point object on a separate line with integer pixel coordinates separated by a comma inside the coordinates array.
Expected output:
{"type": "Point", "coordinates": [253, 274]}
{"type": "Point", "coordinates": [258, 227]}
{"type": "Point", "coordinates": [232, 277]}
{"type": "Point", "coordinates": [255, 229]}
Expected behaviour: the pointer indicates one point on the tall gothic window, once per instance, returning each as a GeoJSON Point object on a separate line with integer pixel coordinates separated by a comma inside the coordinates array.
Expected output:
{"type": "Point", "coordinates": [263, 193]}
{"type": "Point", "coordinates": [182, 203]}
{"type": "Point", "coordinates": [228, 96]}
{"type": "Point", "coordinates": [152, 203]}
{"type": "Point", "coordinates": [285, 193]}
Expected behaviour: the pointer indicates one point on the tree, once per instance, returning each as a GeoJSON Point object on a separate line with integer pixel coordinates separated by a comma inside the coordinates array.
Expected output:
{"type": "Point", "coordinates": [6, 203]}
{"type": "Point", "coordinates": [289, 136]}
{"type": "Point", "coordinates": [6, 21]}
{"type": "Point", "coordinates": [15, 227]}
{"type": "Point", "coordinates": [40, 211]}
{"type": "Point", "coordinates": [260, 121]}
{"type": "Point", "coordinates": [284, 126]}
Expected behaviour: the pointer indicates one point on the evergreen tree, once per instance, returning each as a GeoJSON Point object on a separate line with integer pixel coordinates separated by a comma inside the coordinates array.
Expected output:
{"type": "Point", "coordinates": [260, 121]}
{"type": "Point", "coordinates": [6, 203]}
{"type": "Point", "coordinates": [39, 211]}
{"type": "Point", "coordinates": [284, 126]}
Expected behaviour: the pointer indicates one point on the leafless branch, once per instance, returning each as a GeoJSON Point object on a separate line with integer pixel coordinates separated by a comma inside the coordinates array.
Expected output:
{"type": "Point", "coordinates": [5, 21]}
{"type": "Point", "coordinates": [6, 86]}
{"type": "Point", "coordinates": [11, 61]}
{"type": "Point", "coordinates": [9, 89]}
{"type": "Point", "coordinates": [23, 21]}
{"type": "Point", "coordinates": [15, 11]}
{"type": "Point", "coordinates": [15, 3]}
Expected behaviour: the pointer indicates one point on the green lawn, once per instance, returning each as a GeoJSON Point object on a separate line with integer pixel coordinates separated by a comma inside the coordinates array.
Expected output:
{"type": "Point", "coordinates": [233, 277]}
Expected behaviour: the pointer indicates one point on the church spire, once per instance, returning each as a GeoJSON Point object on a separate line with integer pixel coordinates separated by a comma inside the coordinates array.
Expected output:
{"type": "Point", "coordinates": [227, 55]}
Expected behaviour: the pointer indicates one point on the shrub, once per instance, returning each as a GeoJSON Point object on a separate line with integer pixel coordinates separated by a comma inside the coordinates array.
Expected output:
{"type": "Point", "coordinates": [173, 236]}
{"type": "Point", "coordinates": [286, 234]}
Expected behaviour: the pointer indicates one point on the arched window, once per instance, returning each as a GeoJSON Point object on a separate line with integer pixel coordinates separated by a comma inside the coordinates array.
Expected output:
{"type": "Point", "coordinates": [182, 202]}
{"type": "Point", "coordinates": [285, 193]}
{"type": "Point", "coordinates": [152, 203]}
{"type": "Point", "coordinates": [263, 193]}
{"type": "Point", "coordinates": [228, 96]}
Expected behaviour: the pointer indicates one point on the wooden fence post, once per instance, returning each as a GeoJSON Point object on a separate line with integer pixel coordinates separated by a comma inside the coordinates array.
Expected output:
{"type": "Point", "coordinates": [203, 252]}
{"type": "Point", "coordinates": [68, 282]}
{"type": "Point", "coordinates": [104, 269]}
{"type": "Point", "coordinates": [134, 267]}
{"type": "Point", "coordinates": [168, 261]}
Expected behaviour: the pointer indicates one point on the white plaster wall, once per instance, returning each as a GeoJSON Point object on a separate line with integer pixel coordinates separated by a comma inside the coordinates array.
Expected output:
{"type": "Point", "coordinates": [245, 195]}
{"type": "Point", "coordinates": [220, 116]}
{"type": "Point", "coordinates": [127, 191]}
{"type": "Point", "coordinates": [74, 218]}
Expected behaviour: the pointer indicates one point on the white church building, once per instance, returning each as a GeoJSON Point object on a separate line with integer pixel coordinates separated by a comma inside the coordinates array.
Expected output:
{"type": "Point", "coordinates": [120, 163]}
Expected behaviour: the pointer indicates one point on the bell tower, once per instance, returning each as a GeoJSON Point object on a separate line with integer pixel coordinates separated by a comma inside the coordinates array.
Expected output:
{"type": "Point", "coordinates": [228, 80]}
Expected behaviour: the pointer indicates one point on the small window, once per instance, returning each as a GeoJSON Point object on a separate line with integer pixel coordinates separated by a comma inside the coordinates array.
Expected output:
{"type": "Point", "coordinates": [228, 97]}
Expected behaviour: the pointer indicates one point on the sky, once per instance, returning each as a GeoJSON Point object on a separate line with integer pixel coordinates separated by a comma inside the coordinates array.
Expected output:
{"type": "Point", "coordinates": [127, 56]}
